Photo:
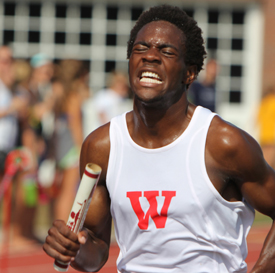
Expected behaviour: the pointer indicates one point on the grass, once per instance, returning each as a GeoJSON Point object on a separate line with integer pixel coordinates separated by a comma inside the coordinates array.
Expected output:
{"type": "Point", "coordinates": [261, 219]}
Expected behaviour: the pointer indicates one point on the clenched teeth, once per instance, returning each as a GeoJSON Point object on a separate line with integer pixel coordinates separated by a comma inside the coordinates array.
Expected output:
{"type": "Point", "coordinates": [150, 80]}
{"type": "Point", "coordinates": [150, 77]}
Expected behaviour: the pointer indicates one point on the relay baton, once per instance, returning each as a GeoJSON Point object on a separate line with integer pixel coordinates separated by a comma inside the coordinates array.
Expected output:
{"type": "Point", "coordinates": [81, 204]}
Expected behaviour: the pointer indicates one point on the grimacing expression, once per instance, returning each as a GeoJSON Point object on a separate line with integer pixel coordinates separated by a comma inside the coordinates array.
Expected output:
{"type": "Point", "coordinates": [156, 66]}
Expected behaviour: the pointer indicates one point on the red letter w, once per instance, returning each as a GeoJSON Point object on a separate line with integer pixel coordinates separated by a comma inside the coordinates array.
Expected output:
{"type": "Point", "coordinates": [143, 220]}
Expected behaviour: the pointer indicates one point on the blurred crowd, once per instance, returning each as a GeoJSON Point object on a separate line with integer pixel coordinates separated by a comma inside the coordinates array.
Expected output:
{"type": "Point", "coordinates": [43, 106]}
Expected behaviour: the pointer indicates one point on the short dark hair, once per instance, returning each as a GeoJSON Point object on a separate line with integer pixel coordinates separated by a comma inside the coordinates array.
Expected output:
{"type": "Point", "coordinates": [194, 51]}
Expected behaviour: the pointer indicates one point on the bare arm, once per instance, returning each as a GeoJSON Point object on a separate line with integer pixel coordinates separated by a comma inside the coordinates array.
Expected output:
{"type": "Point", "coordinates": [89, 250]}
{"type": "Point", "coordinates": [235, 156]}
{"type": "Point", "coordinates": [75, 118]}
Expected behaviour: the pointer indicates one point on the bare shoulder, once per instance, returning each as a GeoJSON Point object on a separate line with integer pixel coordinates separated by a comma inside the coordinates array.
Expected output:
{"type": "Point", "coordinates": [233, 150]}
{"type": "Point", "coordinates": [96, 149]}
{"type": "Point", "coordinates": [237, 158]}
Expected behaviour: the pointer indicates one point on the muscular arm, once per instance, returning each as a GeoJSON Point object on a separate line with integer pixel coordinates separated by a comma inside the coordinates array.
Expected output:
{"type": "Point", "coordinates": [234, 157]}
{"type": "Point", "coordinates": [94, 253]}
{"type": "Point", "coordinates": [89, 250]}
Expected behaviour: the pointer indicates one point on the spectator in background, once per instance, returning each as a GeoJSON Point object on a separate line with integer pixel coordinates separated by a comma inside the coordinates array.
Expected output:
{"type": "Point", "coordinates": [112, 101]}
{"type": "Point", "coordinates": [72, 78]}
{"type": "Point", "coordinates": [34, 85]}
{"type": "Point", "coordinates": [203, 91]}
{"type": "Point", "coordinates": [41, 88]}
{"type": "Point", "coordinates": [26, 193]}
{"type": "Point", "coordinates": [108, 102]}
{"type": "Point", "coordinates": [13, 105]}
{"type": "Point", "coordinates": [22, 73]}
{"type": "Point", "coordinates": [266, 122]}
{"type": "Point", "coordinates": [8, 119]}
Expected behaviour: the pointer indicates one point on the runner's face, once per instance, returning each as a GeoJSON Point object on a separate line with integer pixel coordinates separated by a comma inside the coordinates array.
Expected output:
{"type": "Point", "coordinates": [156, 66]}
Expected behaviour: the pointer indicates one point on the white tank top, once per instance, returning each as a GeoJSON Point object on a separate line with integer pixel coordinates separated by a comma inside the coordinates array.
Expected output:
{"type": "Point", "coordinates": [168, 216]}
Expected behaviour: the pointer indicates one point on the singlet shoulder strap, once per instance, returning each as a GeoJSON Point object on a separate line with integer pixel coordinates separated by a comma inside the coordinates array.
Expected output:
{"type": "Point", "coordinates": [202, 116]}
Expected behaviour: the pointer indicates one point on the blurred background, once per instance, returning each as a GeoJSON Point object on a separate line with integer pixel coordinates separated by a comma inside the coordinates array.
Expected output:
{"type": "Point", "coordinates": [69, 74]}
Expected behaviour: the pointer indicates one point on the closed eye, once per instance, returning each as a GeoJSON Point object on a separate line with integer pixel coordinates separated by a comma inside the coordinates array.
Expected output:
{"type": "Point", "coordinates": [166, 52]}
{"type": "Point", "coordinates": [140, 47]}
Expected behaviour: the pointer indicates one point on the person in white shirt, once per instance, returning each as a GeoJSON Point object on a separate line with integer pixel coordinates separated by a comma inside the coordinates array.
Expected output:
{"type": "Point", "coordinates": [8, 119]}
{"type": "Point", "coordinates": [180, 183]}
{"type": "Point", "coordinates": [109, 102]}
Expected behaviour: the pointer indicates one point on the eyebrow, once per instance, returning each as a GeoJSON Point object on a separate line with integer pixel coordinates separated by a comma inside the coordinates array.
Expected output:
{"type": "Point", "coordinates": [141, 43]}
{"type": "Point", "coordinates": [168, 45]}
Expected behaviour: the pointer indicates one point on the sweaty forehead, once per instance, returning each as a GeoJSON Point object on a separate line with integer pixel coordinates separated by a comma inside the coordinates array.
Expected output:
{"type": "Point", "coordinates": [160, 31]}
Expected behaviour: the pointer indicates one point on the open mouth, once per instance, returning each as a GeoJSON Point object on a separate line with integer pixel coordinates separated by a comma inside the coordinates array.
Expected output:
{"type": "Point", "coordinates": [150, 77]}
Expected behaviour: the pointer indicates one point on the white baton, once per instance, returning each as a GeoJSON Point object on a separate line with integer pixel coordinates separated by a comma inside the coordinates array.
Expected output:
{"type": "Point", "coordinates": [81, 204]}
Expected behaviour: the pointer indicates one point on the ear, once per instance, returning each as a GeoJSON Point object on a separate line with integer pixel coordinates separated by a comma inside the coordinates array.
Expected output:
{"type": "Point", "coordinates": [191, 74]}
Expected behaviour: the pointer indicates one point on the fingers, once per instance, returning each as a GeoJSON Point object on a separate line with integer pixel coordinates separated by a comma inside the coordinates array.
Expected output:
{"type": "Point", "coordinates": [57, 255]}
{"type": "Point", "coordinates": [82, 236]}
{"type": "Point", "coordinates": [61, 243]}
{"type": "Point", "coordinates": [60, 226]}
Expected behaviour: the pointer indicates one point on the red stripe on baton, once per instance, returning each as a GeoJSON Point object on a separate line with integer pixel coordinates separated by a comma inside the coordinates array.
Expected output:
{"type": "Point", "coordinates": [61, 265]}
{"type": "Point", "coordinates": [91, 174]}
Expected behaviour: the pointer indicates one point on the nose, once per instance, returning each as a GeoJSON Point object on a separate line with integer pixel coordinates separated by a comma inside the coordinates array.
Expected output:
{"type": "Point", "coordinates": [152, 55]}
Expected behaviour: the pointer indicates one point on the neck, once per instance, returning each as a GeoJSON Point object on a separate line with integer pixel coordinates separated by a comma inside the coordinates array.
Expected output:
{"type": "Point", "coordinates": [155, 126]}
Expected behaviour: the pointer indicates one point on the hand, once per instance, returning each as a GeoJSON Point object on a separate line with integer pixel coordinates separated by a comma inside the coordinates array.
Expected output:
{"type": "Point", "coordinates": [62, 244]}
